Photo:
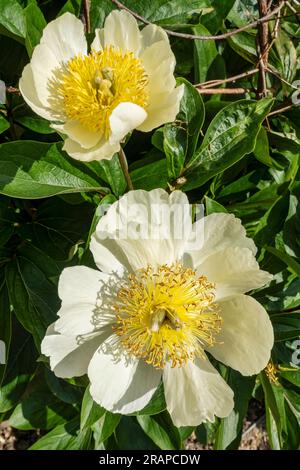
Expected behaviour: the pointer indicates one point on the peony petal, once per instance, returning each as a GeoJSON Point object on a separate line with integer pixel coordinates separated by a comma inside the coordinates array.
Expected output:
{"type": "Point", "coordinates": [144, 383]}
{"type": "Point", "coordinates": [147, 227]}
{"type": "Point", "coordinates": [125, 118]}
{"type": "Point", "coordinates": [152, 34]}
{"type": "Point", "coordinates": [28, 89]}
{"type": "Point", "coordinates": [121, 30]}
{"type": "Point", "coordinates": [102, 151]}
{"type": "Point", "coordinates": [162, 108]}
{"type": "Point", "coordinates": [111, 373]}
{"type": "Point", "coordinates": [246, 336]}
{"type": "Point", "coordinates": [80, 134]}
{"type": "Point", "coordinates": [62, 39]}
{"type": "Point", "coordinates": [214, 233]}
{"type": "Point", "coordinates": [69, 356]}
{"type": "Point", "coordinates": [159, 61]}
{"type": "Point", "coordinates": [98, 42]}
{"type": "Point", "coordinates": [65, 37]}
{"type": "Point", "coordinates": [234, 270]}
{"type": "Point", "coordinates": [44, 63]}
{"type": "Point", "coordinates": [196, 393]}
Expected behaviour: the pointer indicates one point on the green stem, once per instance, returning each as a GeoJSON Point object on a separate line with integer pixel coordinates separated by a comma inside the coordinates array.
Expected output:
{"type": "Point", "coordinates": [124, 166]}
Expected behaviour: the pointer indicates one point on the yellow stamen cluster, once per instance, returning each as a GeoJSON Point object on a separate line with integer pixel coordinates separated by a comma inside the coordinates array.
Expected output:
{"type": "Point", "coordinates": [271, 372]}
{"type": "Point", "coordinates": [88, 88]}
{"type": "Point", "coordinates": [166, 315]}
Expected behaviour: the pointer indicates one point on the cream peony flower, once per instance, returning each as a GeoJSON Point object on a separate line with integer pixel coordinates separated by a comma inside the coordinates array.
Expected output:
{"type": "Point", "coordinates": [126, 82]}
{"type": "Point", "coordinates": [157, 305]}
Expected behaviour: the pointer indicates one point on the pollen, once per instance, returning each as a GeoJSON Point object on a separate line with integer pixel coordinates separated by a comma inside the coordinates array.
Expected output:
{"type": "Point", "coordinates": [272, 373]}
{"type": "Point", "coordinates": [88, 88]}
{"type": "Point", "coordinates": [166, 314]}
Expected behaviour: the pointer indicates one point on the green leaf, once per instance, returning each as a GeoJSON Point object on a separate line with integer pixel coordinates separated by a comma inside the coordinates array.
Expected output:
{"type": "Point", "coordinates": [40, 409]}
{"type": "Point", "coordinates": [213, 206]}
{"type": "Point", "coordinates": [55, 233]}
{"type": "Point", "coordinates": [261, 150]}
{"type": "Point", "coordinates": [63, 390]}
{"type": "Point", "coordinates": [33, 170]}
{"type": "Point", "coordinates": [20, 366]}
{"type": "Point", "coordinates": [35, 23]}
{"type": "Point", "coordinates": [111, 172]}
{"type": "Point", "coordinates": [150, 175]}
{"type": "Point", "coordinates": [157, 403]}
{"type": "Point", "coordinates": [209, 64]}
{"type": "Point", "coordinates": [291, 263]}
{"type": "Point", "coordinates": [33, 297]}
{"type": "Point", "coordinates": [5, 327]}
{"type": "Point", "coordinates": [35, 123]}
{"type": "Point", "coordinates": [180, 138]}
{"type": "Point", "coordinates": [164, 12]}
{"type": "Point", "coordinates": [272, 222]}
{"type": "Point", "coordinates": [230, 136]}
{"type": "Point", "coordinates": [286, 325]}
{"type": "Point", "coordinates": [104, 427]}
{"type": "Point", "coordinates": [161, 430]}
{"type": "Point", "coordinates": [90, 411]}
{"type": "Point", "coordinates": [130, 436]}
{"type": "Point", "coordinates": [4, 124]}
{"type": "Point", "coordinates": [64, 437]}
{"type": "Point", "coordinates": [12, 18]}
{"type": "Point", "coordinates": [230, 428]}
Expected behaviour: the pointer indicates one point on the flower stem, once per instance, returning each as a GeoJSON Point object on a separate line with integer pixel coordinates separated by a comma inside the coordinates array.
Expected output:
{"type": "Point", "coordinates": [124, 166]}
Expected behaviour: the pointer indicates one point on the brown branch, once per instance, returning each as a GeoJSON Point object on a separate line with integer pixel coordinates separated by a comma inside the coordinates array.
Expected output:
{"type": "Point", "coordinates": [277, 75]}
{"type": "Point", "coordinates": [281, 110]}
{"type": "Point", "coordinates": [219, 37]}
{"type": "Point", "coordinates": [263, 49]}
{"type": "Point", "coordinates": [212, 83]}
{"type": "Point", "coordinates": [86, 15]}
{"type": "Point", "coordinates": [222, 91]}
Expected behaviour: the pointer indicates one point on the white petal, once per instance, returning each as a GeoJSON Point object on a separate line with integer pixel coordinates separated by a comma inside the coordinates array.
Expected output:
{"type": "Point", "coordinates": [111, 373]}
{"type": "Point", "coordinates": [65, 37]}
{"type": "Point", "coordinates": [28, 89]}
{"type": "Point", "coordinates": [80, 134]}
{"type": "Point", "coordinates": [144, 383]}
{"type": "Point", "coordinates": [152, 34]}
{"type": "Point", "coordinates": [44, 62]}
{"type": "Point", "coordinates": [121, 30]}
{"type": "Point", "coordinates": [159, 61]}
{"type": "Point", "coordinates": [80, 284]}
{"type": "Point", "coordinates": [125, 118]}
{"type": "Point", "coordinates": [107, 254]}
{"type": "Point", "coordinates": [69, 356]}
{"type": "Point", "coordinates": [62, 39]}
{"type": "Point", "coordinates": [196, 393]}
{"type": "Point", "coordinates": [147, 227]}
{"type": "Point", "coordinates": [234, 270]}
{"type": "Point", "coordinates": [246, 336]}
{"type": "Point", "coordinates": [162, 108]}
{"type": "Point", "coordinates": [102, 151]}
{"type": "Point", "coordinates": [98, 42]}
{"type": "Point", "coordinates": [214, 233]}
{"type": "Point", "coordinates": [84, 293]}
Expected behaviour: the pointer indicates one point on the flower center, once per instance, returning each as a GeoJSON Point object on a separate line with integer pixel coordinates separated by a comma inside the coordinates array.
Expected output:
{"type": "Point", "coordinates": [166, 315]}
{"type": "Point", "coordinates": [88, 88]}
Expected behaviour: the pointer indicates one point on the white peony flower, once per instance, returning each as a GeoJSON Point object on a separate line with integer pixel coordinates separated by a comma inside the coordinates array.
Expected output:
{"type": "Point", "coordinates": [157, 305]}
{"type": "Point", "coordinates": [126, 82]}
